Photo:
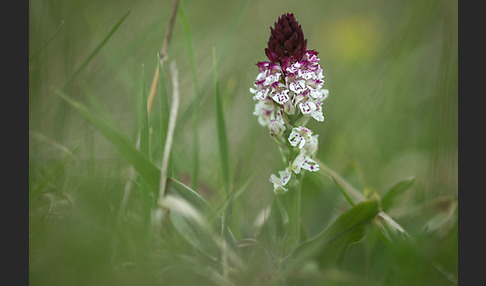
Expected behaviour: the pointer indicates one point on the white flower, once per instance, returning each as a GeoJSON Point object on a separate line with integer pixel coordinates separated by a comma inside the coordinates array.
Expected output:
{"type": "Point", "coordinates": [307, 74]}
{"type": "Point", "coordinates": [288, 88]}
{"type": "Point", "coordinates": [277, 125]}
{"type": "Point", "coordinates": [297, 86]}
{"type": "Point", "coordinates": [262, 75]}
{"type": "Point", "coordinates": [294, 67]}
{"type": "Point", "coordinates": [317, 93]}
{"type": "Point", "coordinates": [264, 109]}
{"type": "Point", "coordinates": [260, 94]}
{"type": "Point", "coordinates": [279, 183]}
{"type": "Point", "coordinates": [312, 108]}
{"type": "Point", "coordinates": [269, 80]}
{"type": "Point", "coordinates": [282, 96]}
{"type": "Point", "coordinates": [299, 136]}
{"type": "Point", "coordinates": [289, 108]}
{"type": "Point", "coordinates": [317, 113]}
{"type": "Point", "coordinates": [307, 107]}
{"type": "Point", "coordinates": [325, 93]}
{"type": "Point", "coordinates": [304, 162]}
{"type": "Point", "coordinates": [311, 145]}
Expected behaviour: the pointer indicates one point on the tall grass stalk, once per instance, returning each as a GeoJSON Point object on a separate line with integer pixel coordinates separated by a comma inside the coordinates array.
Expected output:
{"type": "Point", "coordinates": [144, 149]}
{"type": "Point", "coordinates": [222, 146]}
{"type": "Point", "coordinates": [163, 53]}
{"type": "Point", "coordinates": [221, 130]}
{"type": "Point", "coordinates": [195, 85]}
{"type": "Point", "coordinates": [54, 34]}
{"type": "Point", "coordinates": [161, 209]}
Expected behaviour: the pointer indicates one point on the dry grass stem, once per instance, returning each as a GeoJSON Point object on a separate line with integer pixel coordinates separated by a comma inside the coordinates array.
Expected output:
{"type": "Point", "coordinates": [163, 54]}
{"type": "Point", "coordinates": [153, 89]}
{"type": "Point", "coordinates": [170, 130]}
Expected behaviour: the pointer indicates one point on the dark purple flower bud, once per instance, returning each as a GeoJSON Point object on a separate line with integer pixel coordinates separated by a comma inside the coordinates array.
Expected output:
{"type": "Point", "coordinates": [286, 40]}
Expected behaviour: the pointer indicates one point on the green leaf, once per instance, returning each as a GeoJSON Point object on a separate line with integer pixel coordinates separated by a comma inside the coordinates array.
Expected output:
{"type": "Point", "coordinates": [336, 238]}
{"type": "Point", "coordinates": [193, 218]}
{"type": "Point", "coordinates": [343, 191]}
{"type": "Point", "coordinates": [335, 251]}
{"type": "Point", "coordinates": [348, 190]}
{"type": "Point", "coordinates": [141, 164]}
{"type": "Point", "coordinates": [195, 234]}
{"type": "Point", "coordinates": [352, 194]}
{"type": "Point", "coordinates": [230, 238]}
{"type": "Point", "coordinates": [175, 187]}
{"type": "Point", "coordinates": [221, 129]}
{"type": "Point", "coordinates": [394, 192]}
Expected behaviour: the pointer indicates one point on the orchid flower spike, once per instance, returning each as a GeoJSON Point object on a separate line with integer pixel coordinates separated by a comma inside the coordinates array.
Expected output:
{"type": "Point", "coordinates": [288, 91]}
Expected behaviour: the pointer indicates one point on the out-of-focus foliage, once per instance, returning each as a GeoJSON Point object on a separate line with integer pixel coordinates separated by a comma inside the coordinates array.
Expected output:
{"type": "Point", "coordinates": [390, 67]}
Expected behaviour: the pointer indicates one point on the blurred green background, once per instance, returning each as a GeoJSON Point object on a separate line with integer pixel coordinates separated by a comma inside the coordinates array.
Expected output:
{"type": "Point", "coordinates": [390, 67]}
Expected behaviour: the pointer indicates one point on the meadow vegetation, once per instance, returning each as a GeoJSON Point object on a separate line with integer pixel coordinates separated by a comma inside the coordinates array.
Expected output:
{"type": "Point", "coordinates": [147, 166]}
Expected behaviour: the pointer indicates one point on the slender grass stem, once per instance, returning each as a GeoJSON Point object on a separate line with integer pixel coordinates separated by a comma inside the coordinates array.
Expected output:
{"type": "Point", "coordinates": [97, 49]}
{"type": "Point", "coordinates": [163, 54]}
{"type": "Point", "coordinates": [192, 61]}
{"type": "Point", "coordinates": [144, 149]}
{"type": "Point", "coordinates": [298, 208]}
{"type": "Point", "coordinates": [47, 42]}
{"type": "Point", "coordinates": [293, 203]}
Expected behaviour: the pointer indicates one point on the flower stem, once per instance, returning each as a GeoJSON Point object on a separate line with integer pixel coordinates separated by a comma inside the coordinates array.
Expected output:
{"type": "Point", "coordinates": [298, 210]}
{"type": "Point", "coordinates": [292, 202]}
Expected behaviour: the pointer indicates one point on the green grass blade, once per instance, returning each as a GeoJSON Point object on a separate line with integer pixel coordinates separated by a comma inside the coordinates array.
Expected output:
{"type": "Point", "coordinates": [47, 42]}
{"type": "Point", "coordinates": [221, 129]}
{"type": "Point", "coordinates": [395, 191]}
{"type": "Point", "coordinates": [189, 45]}
{"type": "Point", "coordinates": [164, 111]}
{"type": "Point", "coordinates": [236, 194]}
{"type": "Point", "coordinates": [142, 165]}
{"type": "Point", "coordinates": [232, 31]}
{"type": "Point", "coordinates": [229, 37]}
{"type": "Point", "coordinates": [144, 124]}
{"type": "Point", "coordinates": [190, 50]}
{"type": "Point", "coordinates": [145, 150]}
{"type": "Point", "coordinates": [94, 102]}
{"type": "Point", "coordinates": [97, 49]}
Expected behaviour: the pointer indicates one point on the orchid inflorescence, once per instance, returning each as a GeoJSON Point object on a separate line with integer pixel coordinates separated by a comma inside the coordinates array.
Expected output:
{"type": "Point", "coordinates": [288, 92]}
